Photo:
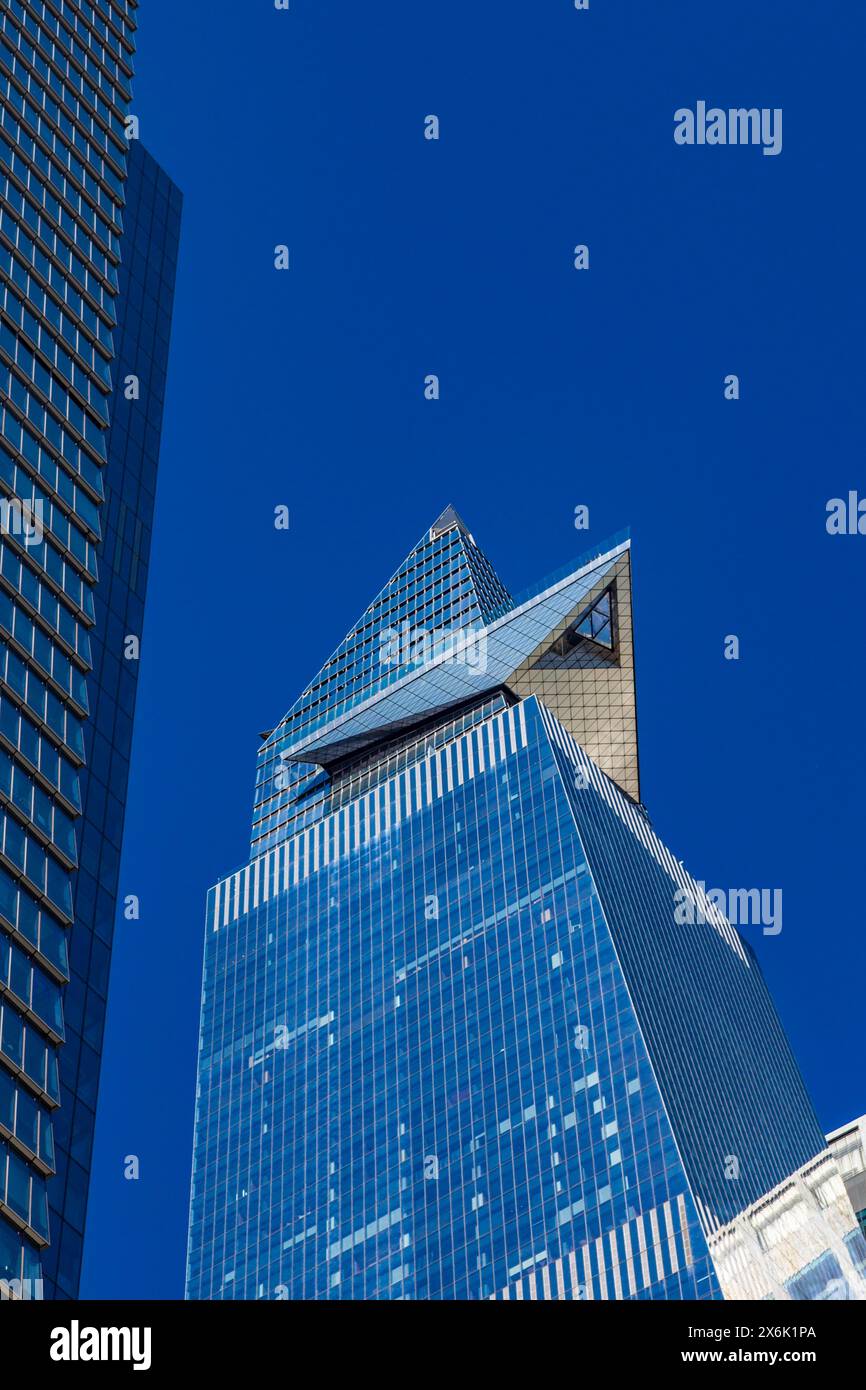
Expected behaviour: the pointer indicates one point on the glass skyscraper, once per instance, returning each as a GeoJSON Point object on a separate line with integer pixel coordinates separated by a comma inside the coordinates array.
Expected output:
{"type": "Point", "coordinates": [88, 247]}
{"type": "Point", "coordinates": [458, 1039]}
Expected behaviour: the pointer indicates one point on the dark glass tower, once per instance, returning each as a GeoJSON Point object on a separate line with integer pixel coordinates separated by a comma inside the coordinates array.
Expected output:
{"type": "Point", "coordinates": [75, 517]}
{"type": "Point", "coordinates": [457, 1041]}
{"type": "Point", "coordinates": [146, 278]}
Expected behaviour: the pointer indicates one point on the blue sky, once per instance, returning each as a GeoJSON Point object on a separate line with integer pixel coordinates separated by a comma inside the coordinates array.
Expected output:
{"type": "Point", "coordinates": [558, 388]}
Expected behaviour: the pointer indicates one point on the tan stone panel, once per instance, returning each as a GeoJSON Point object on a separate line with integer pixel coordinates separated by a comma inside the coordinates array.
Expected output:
{"type": "Point", "coordinates": [592, 691]}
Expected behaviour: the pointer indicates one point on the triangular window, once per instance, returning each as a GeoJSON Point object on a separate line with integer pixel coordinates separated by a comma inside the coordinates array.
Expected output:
{"type": "Point", "coordinates": [596, 625]}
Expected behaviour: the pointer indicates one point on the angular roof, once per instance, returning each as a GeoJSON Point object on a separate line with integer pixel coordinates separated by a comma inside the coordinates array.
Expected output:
{"type": "Point", "coordinates": [467, 664]}
{"type": "Point", "coordinates": [443, 632]}
{"type": "Point", "coordinates": [444, 582]}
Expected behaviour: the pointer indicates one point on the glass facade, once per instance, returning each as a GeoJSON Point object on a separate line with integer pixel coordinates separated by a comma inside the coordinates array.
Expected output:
{"type": "Point", "coordinates": [455, 1043]}
{"type": "Point", "coordinates": [146, 278]}
{"type": "Point", "coordinates": [85, 301]}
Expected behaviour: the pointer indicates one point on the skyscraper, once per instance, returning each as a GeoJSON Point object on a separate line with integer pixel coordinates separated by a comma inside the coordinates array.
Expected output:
{"type": "Point", "coordinates": [87, 264]}
{"type": "Point", "coordinates": [458, 1039]}
{"type": "Point", "coordinates": [146, 278]}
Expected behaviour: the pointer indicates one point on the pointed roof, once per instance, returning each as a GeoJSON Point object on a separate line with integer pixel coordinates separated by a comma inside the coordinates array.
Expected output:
{"type": "Point", "coordinates": [448, 519]}
{"type": "Point", "coordinates": [444, 632]}
{"type": "Point", "coordinates": [445, 582]}
{"type": "Point", "coordinates": [509, 652]}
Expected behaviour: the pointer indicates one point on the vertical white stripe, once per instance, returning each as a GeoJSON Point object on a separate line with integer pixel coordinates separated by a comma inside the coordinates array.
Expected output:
{"type": "Point", "coordinates": [656, 1245]}
{"type": "Point", "coordinates": [629, 1258]}
{"type": "Point", "coordinates": [684, 1228]}
{"type": "Point", "coordinates": [644, 1262]}
{"type": "Point", "coordinates": [573, 1276]}
{"type": "Point", "coordinates": [614, 1266]}
{"type": "Point", "coordinates": [672, 1244]}
{"type": "Point", "coordinates": [602, 1277]}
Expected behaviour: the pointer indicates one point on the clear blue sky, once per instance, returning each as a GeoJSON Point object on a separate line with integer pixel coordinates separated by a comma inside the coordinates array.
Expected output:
{"type": "Point", "coordinates": [558, 388]}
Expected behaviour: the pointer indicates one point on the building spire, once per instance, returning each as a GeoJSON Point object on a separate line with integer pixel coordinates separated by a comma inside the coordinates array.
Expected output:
{"type": "Point", "coordinates": [448, 519]}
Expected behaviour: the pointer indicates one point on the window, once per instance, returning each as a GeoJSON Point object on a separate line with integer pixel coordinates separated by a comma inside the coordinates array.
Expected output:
{"type": "Point", "coordinates": [596, 625]}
